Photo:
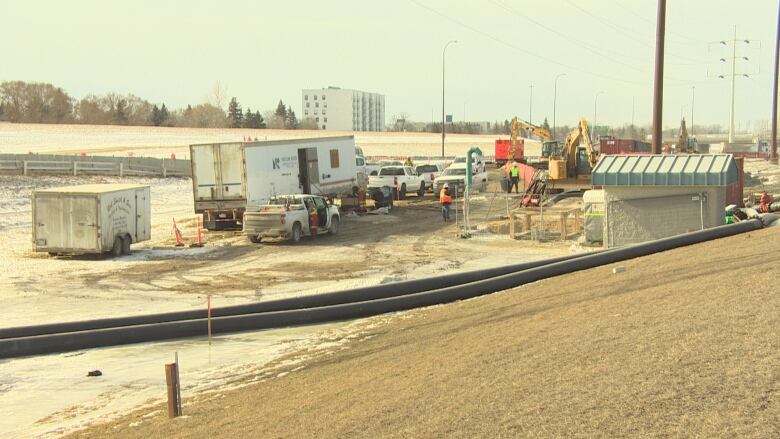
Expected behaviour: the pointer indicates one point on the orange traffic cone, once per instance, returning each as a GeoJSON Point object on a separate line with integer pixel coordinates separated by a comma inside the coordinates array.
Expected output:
{"type": "Point", "coordinates": [200, 233]}
{"type": "Point", "coordinates": [177, 235]}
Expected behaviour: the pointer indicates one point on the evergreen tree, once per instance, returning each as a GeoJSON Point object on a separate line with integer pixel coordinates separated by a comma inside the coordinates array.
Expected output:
{"type": "Point", "coordinates": [281, 111]}
{"type": "Point", "coordinates": [235, 116]}
{"type": "Point", "coordinates": [259, 119]}
{"type": "Point", "coordinates": [249, 119]}
{"type": "Point", "coordinates": [164, 115]}
{"type": "Point", "coordinates": [546, 125]}
{"type": "Point", "coordinates": [155, 119]}
{"type": "Point", "coordinates": [290, 122]}
{"type": "Point", "coordinates": [120, 112]}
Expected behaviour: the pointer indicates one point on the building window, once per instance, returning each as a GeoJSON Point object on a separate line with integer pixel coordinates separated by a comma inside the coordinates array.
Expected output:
{"type": "Point", "coordinates": [325, 104]}
{"type": "Point", "coordinates": [324, 119]}
{"type": "Point", "coordinates": [323, 111]}
{"type": "Point", "coordinates": [334, 156]}
{"type": "Point", "coordinates": [316, 119]}
{"type": "Point", "coordinates": [323, 97]}
{"type": "Point", "coordinates": [315, 97]}
{"type": "Point", "coordinates": [316, 111]}
{"type": "Point", "coordinates": [317, 104]}
{"type": "Point", "coordinates": [323, 127]}
{"type": "Point", "coordinates": [305, 112]}
{"type": "Point", "coordinates": [307, 105]}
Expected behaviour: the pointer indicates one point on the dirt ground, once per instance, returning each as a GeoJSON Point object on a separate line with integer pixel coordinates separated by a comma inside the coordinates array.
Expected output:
{"type": "Point", "coordinates": [670, 347]}
{"type": "Point", "coordinates": [410, 242]}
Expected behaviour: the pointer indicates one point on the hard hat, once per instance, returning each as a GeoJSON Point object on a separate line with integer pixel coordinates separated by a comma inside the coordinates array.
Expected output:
{"type": "Point", "coordinates": [446, 186]}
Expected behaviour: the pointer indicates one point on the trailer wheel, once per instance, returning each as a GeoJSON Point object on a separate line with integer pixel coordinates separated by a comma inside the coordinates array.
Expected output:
{"type": "Point", "coordinates": [421, 192]}
{"type": "Point", "coordinates": [126, 241]}
{"type": "Point", "coordinates": [255, 239]}
{"type": "Point", "coordinates": [334, 225]}
{"type": "Point", "coordinates": [116, 249]}
{"type": "Point", "coordinates": [402, 192]}
{"type": "Point", "coordinates": [296, 233]}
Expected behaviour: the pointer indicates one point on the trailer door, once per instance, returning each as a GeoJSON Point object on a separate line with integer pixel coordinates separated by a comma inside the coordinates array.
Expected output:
{"type": "Point", "coordinates": [142, 232]}
{"type": "Point", "coordinates": [231, 163]}
{"type": "Point", "coordinates": [204, 171]}
{"type": "Point", "coordinates": [313, 170]}
{"type": "Point", "coordinates": [66, 222]}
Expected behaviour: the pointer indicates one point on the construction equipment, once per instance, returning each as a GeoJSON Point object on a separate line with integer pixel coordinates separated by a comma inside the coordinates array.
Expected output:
{"type": "Point", "coordinates": [550, 147]}
{"type": "Point", "coordinates": [568, 162]}
{"type": "Point", "coordinates": [685, 144]}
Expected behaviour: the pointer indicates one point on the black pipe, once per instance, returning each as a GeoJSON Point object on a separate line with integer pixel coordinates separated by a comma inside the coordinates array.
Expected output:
{"type": "Point", "coordinates": [313, 301]}
{"type": "Point", "coordinates": [63, 342]}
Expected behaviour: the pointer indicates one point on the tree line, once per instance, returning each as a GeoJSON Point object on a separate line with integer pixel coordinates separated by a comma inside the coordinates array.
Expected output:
{"type": "Point", "coordinates": [36, 102]}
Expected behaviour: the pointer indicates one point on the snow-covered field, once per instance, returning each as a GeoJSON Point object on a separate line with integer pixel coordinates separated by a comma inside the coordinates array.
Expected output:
{"type": "Point", "coordinates": [163, 141]}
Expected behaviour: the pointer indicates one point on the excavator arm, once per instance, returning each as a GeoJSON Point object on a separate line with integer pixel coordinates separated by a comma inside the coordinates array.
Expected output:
{"type": "Point", "coordinates": [538, 131]}
{"type": "Point", "coordinates": [576, 137]}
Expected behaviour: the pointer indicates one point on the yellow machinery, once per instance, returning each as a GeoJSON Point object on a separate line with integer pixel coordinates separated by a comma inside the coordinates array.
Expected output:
{"type": "Point", "coordinates": [564, 165]}
{"type": "Point", "coordinates": [685, 145]}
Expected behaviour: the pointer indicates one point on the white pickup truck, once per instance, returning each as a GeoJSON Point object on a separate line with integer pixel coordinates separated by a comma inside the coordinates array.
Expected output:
{"type": "Point", "coordinates": [292, 217]}
{"type": "Point", "coordinates": [429, 172]}
{"type": "Point", "coordinates": [404, 178]}
{"type": "Point", "coordinates": [455, 177]}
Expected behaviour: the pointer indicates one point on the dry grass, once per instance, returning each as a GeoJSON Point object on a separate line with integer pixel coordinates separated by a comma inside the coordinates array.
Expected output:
{"type": "Point", "coordinates": [685, 343]}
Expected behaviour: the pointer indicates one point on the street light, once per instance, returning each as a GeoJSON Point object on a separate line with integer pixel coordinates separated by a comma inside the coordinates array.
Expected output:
{"type": "Point", "coordinates": [443, 54]}
{"type": "Point", "coordinates": [555, 99]}
{"type": "Point", "coordinates": [595, 103]}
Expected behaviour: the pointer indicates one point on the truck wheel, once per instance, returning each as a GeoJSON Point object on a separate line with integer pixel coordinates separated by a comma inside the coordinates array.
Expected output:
{"type": "Point", "coordinates": [421, 192]}
{"type": "Point", "coordinates": [126, 241]}
{"type": "Point", "coordinates": [255, 239]}
{"type": "Point", "coordinates": [296, 233]}
{"type": "Point", "coordinates": [116, 249]}
{"type": "Point", "coordinates": [402, 192]}
{"type": "Point", "coordinates": [334, 225]}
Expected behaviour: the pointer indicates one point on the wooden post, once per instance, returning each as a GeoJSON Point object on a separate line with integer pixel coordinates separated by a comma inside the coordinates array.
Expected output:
{"type": "Point", "coordinates": [164, 171]}
{"type": "Point", "coordinates": [75, 167]}
{"type": "Point", "coordinates": [563, 226]}
{"type": "Point", "coordinates": [512, 225]}
{"type": "Point", "coordinates": [171, 375]}
{"type": "Point", "coordinates": [24, 167]}
{"type": "Point", "coordinates": [121, 169]}
{"type": "Point", "coordinates": [209, 315]}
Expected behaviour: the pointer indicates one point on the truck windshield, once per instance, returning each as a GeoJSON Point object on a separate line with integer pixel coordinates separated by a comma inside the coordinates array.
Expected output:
{"type": "Point", "coordinates": [427, 168]}
{"type": "Point", "coordinates": [281, 201]}
{"type": "Point", "coordinates": [454, 171]}
{"type": "Point", "coordinates": [391, 171]}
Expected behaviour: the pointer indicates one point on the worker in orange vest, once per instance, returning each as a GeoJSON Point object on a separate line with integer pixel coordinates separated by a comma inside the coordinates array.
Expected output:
{"type": "Point", "coordinates": [764, 202]}
{"type": "Point", "coordinates": [446, 201]}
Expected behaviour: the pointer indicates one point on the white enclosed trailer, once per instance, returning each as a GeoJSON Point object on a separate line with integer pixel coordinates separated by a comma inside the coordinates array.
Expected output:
{"type": "Point", "coordinates": [228, 178]}
{"type": "Point", "coordinates": [93, 218]}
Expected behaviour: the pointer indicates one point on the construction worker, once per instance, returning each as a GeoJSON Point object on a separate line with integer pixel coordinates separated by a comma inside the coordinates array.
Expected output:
{"type": "Point", "coordinates": [409, 162]}
{"type": "Point", "coordinates": [446, 201]}
{"type": "Point", "coordinates": [514, 178]}
{"type": "Point", "coordinates": [764, 202]}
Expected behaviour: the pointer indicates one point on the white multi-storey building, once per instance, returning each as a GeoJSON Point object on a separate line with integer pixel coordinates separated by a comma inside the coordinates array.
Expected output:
{"type": "Point", "coordinates": [339, 109]}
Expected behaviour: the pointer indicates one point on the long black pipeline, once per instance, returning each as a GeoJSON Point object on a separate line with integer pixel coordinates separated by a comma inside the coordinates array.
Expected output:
{"type": "Point", "coordinates": [52, 343]}
{"type": "Point", "coordinates": [313, 301]}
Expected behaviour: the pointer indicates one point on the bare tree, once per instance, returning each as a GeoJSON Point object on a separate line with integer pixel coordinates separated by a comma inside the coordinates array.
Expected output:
{"type": "Point", "coordinates": [218, 96]}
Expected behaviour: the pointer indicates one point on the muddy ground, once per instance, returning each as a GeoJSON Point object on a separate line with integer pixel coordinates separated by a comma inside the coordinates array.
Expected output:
{"type": "Point", "coordinates": [682, 343]}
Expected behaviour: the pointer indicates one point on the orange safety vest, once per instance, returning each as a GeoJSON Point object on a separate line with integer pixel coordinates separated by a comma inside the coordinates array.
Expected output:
{"type": "Point", "coordinates": [444, 198]}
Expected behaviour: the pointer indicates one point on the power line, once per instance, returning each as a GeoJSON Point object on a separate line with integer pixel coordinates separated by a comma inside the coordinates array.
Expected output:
{"type": "Point", "coordinates": [643, 18]}
{"type": "Point", "coordinates": [525, 51]}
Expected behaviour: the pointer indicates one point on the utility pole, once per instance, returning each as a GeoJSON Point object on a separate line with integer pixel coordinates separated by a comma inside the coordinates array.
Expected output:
{"type": "Point", "coordinates": [443, 123]}
{"type": "Point", "coordinates": [595, 106]}
{"type": "Point", "coordinates": [555, 99]}
{"type": "Point", "coordinates": [633, 106]}
{"type": "Point", "coordinates": [733, 76]}
{"type": "Point", "coordinates": [658, 84]}
{"type": "Point", "coordinates": [693, 101]}
{"type": "Point", "coordinates": [773, 155]}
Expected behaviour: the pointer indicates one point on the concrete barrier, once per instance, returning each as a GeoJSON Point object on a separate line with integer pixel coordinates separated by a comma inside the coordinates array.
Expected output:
{"type": "Point", "coordinates": [42, 164]}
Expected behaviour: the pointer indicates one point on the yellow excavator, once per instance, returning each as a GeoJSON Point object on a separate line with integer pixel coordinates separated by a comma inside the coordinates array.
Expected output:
{"type": "Point", "coordinates": [685, 144]}
{"type": "Point", "coordinates": [568, 163]}
{"type": "Point", "coordinates": [549, 145]}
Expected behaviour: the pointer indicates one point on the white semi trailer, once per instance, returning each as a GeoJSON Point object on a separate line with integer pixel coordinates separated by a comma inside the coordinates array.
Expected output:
{"type": "Point", "coordinates": [93, 218]}
{"type": "Point", "coordinates": [228, 178]}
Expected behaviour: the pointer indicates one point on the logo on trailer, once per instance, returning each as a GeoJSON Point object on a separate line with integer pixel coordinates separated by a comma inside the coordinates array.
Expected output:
{"type": "Point", "coordinates": [276, 163]}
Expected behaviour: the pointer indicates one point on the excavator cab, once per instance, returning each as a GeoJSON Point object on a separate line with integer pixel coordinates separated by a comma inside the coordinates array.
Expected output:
{"type": "Point", "coordinates": [551, 149]}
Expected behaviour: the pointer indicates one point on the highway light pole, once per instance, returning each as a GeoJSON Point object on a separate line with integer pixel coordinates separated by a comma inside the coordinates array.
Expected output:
{"type": "Point", "coordinates": [693, 101]}
{"type": "Point", "coordinates": [555, 99]}
{"type": "Point", "coordinates": [595, 107]}
{"type": "Point", "coordinates": [443, 123]}
{"type": "Point", "coordinates": [531, 105]}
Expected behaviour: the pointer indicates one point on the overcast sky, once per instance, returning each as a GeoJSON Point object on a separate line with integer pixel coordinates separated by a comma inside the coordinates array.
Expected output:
{"type": "Point", "coordinates": [175, 51]}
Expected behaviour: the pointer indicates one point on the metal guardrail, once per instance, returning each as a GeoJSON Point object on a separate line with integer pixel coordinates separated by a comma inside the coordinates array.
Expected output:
{"type": "Point", "coordinates": [82, 167]}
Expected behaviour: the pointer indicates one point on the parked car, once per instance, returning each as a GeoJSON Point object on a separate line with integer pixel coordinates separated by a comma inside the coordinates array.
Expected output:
{"type": "Point", "coordinates": [455, 176]}
{"type": "Point", "coordinates": [429, 172]}
{"type": "Point", "coordinates": [402, 178]}
{"type": "Point", "coordinates": [292, 217]}
{"type": "Point", "coordinates": [479, 163]}
{"type": "Point", "coordinates": [383, 163]}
